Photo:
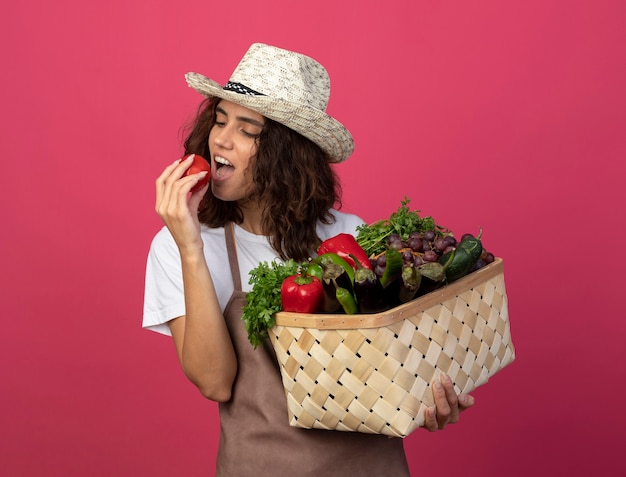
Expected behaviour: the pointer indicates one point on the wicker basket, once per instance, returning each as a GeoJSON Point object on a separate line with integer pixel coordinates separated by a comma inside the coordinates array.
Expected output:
{"type": "Point", "coordinates": [372, 373]}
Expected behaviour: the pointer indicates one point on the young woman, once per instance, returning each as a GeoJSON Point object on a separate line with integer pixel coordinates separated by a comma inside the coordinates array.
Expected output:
{"type": "Point", "coordinates": [272, 195]}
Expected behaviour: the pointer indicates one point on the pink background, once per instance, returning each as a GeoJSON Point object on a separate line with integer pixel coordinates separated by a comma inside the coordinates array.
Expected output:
{"type": "Point", "coordinates": [505, 115]}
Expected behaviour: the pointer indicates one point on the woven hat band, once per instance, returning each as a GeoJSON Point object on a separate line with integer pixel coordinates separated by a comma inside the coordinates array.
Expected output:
{"type": "Point", "coordinates": [241, 89]}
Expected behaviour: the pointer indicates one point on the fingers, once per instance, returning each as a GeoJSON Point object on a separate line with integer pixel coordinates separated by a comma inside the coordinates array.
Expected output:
{"type": "Point", "coordinates": [442, 403]}
{"type": "Point", "coordinates": [430, 419]}
{"type": "Point", "coordinates": [162, 180]}
{"type": "Point", "coordinates": [164, 184]}
{"type": "Point", "coordinates": [177, 207]}
{"type": "Point", "coordinates": [448, 405]}
{"type": "Point", "coordinates": [198, 195]}
{"type": "Point", "coordinates": [172, 188]}
{"type": "Point", "coordinates": [465, 401]}
{"type": "Point", "coordinates": [452, 401]}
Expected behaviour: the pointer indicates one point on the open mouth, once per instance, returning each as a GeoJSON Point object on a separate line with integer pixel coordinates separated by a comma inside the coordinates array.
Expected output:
{"type": "Point", "coordinates": [223, 167]}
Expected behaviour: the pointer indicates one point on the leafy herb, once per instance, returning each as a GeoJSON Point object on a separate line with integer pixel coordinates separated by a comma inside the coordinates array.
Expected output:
{"type": "Point", "coordinates": [372, 237]}
{"type": "Point", "coordinates": [264, 300]}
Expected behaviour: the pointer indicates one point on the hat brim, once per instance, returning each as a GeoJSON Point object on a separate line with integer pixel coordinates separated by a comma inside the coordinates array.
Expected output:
{"type": "Point", "coordinates": [316, 125]}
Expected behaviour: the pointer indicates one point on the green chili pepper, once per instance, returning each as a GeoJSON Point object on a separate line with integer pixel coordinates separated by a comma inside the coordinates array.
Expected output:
{"type": "Point", "coordinates": [393, 267]}
{"type": "Point", "coordinates": [346, 299]}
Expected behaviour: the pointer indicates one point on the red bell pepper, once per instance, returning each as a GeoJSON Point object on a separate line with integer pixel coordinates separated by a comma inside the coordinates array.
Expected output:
{"type": "Point", "coordinates": [346, 246]}
{"type": "Point", "coordinates": [302, 293]}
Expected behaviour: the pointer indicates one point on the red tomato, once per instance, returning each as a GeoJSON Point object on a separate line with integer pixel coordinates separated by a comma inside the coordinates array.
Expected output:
{"type": "Point", "coordinates": [199, 164]}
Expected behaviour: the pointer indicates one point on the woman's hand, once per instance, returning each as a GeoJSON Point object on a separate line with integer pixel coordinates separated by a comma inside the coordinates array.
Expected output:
{"type": "Point", "coordinates": [447, 406]}
{"type": "Point", "coordinates": [202, 340]}
{"type": "Point", "coordinates": [176, 207]}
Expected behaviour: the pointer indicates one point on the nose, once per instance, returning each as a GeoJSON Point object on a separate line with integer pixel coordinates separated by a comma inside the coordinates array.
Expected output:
{"type": "Point", "coordinates": [221, 136]}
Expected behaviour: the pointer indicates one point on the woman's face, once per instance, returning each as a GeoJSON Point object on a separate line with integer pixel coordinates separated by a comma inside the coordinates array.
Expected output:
{"type": "Point", "coordinates": [233, 144]}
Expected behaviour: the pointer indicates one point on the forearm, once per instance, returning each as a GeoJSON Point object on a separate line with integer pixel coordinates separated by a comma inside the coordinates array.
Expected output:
{"type": "Point", "coordinates": [207, 354]}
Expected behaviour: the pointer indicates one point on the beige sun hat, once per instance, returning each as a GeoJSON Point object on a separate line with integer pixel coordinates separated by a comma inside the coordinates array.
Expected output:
{"type": "Point", "coordinates": [289, 88]}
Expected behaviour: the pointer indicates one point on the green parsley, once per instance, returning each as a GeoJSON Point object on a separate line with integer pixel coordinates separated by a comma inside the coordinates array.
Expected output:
{"type": "Point", "coordinates": [372, 237]}
{"type": "Point", "coordinates": [264, 300]}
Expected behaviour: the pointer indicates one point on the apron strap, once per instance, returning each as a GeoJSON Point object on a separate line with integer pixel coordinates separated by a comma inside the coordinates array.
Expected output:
{"type": "Point", "coordinates": [231, 249]}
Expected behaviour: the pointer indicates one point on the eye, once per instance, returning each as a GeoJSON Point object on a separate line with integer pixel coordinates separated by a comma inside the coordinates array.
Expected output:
{"type": "Point", "coordinates": [220, 119]}
{"type": "Point", "coordinates": [251, 135]}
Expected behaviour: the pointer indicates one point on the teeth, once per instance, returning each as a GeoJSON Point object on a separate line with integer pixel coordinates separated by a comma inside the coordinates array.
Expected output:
{"type": "Point", "coordinates": [223, 161]}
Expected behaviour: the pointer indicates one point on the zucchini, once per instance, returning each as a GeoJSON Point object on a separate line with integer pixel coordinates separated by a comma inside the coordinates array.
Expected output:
{"type": "Point", "coordinates": [460, 265]}
{"type": "Point", "coordinates": [473, 246]}
{"type": "Point", "coordinates": [460, 261]}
